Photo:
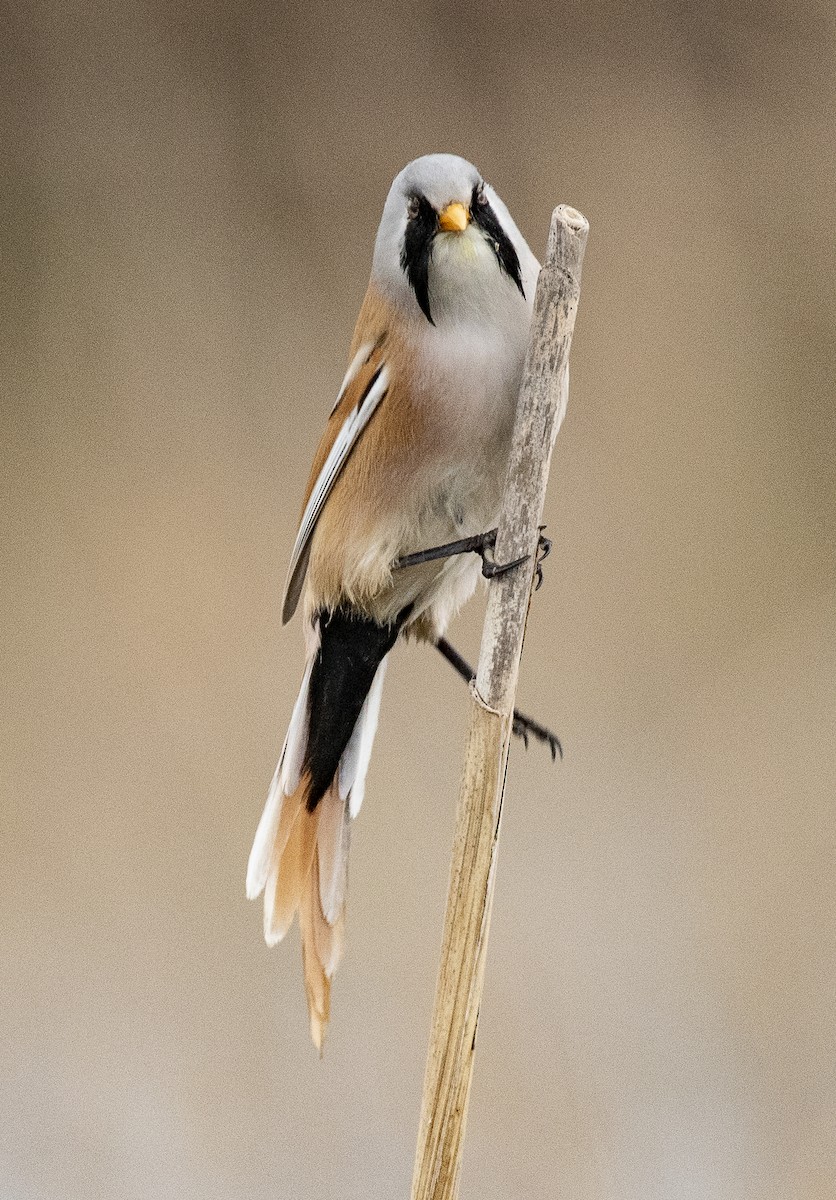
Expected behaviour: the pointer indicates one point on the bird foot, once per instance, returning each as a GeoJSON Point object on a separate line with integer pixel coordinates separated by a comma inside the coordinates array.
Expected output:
{"type": "Point", "coordinates": [479, 544]}
{"type": "Point", "coordinates": [522, 725]}
{"type": "Point", "coordinates": [525, 727]}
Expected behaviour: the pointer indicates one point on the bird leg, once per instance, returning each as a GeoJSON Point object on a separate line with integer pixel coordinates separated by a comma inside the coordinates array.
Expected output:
{"type": "Point", "coordinates": [522, 725]}
{"type": "Point", "coordinates": [477, 544]}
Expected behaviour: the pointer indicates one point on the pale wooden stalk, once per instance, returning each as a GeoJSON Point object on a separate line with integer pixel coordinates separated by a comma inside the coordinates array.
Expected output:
{"type": "Point", "coordinates": [461, 971]}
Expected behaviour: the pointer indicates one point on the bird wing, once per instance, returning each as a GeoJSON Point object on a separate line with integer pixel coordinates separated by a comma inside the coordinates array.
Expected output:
{"type": "Point", "coordinates": [363, 389]}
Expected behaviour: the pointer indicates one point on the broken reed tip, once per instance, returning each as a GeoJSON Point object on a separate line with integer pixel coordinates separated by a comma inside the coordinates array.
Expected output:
{"type": "Point", "coordinates": [571, 217]}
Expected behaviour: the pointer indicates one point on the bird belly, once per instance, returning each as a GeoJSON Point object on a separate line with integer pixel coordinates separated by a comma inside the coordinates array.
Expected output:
{"type": "Point", "coordinates": [437, 475]}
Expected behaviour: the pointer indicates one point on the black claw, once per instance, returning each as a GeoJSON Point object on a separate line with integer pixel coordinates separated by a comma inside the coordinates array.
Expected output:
{"type": "Point", "coordinates": [544, 547]}
{"type": "Point", "coordinates": [524, 726]}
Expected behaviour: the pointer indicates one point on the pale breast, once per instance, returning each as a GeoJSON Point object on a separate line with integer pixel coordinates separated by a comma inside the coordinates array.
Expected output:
{"type": "Point", "coordinates": [430, 468]}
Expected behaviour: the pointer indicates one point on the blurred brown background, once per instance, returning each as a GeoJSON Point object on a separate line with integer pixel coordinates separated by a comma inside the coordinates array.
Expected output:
{"type": "Point", "coordinates": [191, 195]}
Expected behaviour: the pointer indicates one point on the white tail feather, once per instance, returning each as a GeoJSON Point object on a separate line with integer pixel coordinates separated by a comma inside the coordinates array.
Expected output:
{"type": "Point", "coordinates": [286, 779]}
{"type": "Point", "coordinates": [300, 858]}
{"type": "Point", "coordinates": [262, 853]}
{"type": "Point", "coordinates": [297, 736]}
{"type": "Point", "coordinates": [364, 732]}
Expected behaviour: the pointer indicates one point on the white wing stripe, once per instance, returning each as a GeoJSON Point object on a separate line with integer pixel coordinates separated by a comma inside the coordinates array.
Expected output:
{"type": "Point", "coordinates": [360, 359]}
{"type": "Point", "coordinates": [352, 427]}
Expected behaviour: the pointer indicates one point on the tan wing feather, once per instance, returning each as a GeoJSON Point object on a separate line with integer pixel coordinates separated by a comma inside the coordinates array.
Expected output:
{"type": "Point", "coordinates": [382, 458]}
{"type": "Point", "coordinates": [294, 866]}
{"type": "Point", "coordinates": [364, 387]}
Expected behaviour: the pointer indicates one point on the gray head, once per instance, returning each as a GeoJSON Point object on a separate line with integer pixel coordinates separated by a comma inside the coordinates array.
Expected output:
{"type": "Point", "coordinates": [447, 245]}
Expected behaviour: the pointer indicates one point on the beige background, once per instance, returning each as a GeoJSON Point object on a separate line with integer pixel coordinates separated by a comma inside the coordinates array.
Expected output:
{"type": "Point", "coordinates": [191, 197]}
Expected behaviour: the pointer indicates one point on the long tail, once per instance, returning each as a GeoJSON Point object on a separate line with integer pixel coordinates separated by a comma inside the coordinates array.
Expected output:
{"type": "Point", "coordinates": [299, 857]}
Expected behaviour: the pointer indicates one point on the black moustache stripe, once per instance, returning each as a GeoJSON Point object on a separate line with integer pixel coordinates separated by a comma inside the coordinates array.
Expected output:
{"type": "Point", "coordinates": [417, 252]}
{"type": "Point", "coordinates": [421, 229]}
{"type": "Point", "coordinates": [485, 217]}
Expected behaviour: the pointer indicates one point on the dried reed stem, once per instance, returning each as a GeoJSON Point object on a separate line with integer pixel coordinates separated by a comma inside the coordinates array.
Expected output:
{"type": "Point", "coordinates": [459, 989]}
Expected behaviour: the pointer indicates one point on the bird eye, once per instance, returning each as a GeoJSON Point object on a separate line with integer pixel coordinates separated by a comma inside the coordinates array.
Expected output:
{"type": "Point", "coordinates": [413, 207]}
{"type": "Point", "coordinates": [481, 198]}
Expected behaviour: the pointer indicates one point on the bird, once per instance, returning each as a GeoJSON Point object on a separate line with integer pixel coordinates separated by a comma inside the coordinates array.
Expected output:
{"type": "Point", "coordinates": [406, 482]}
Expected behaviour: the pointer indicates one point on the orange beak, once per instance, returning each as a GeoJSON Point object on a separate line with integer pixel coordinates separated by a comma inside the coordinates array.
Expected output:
{"type": "Point", "coordinates": [454, 218]}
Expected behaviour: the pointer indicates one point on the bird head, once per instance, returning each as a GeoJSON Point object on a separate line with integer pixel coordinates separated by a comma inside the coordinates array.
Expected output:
{"type": "Point", "coordinates": [447, 245]}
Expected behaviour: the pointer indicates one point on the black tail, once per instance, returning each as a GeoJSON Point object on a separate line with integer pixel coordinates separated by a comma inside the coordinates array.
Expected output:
{"type": "Point", "coordinates": [351, 648]}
